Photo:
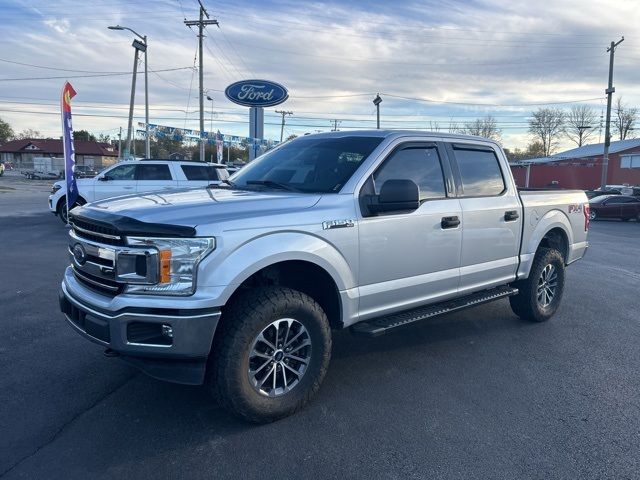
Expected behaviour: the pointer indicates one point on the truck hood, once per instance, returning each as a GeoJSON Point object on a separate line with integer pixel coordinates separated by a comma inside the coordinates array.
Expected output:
{"type": "Point", "coordinates": [200, 206]}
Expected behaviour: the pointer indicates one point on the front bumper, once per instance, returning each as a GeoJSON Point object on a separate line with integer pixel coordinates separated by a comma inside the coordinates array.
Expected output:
{"type": "Point", "coordinates": [167, 343]}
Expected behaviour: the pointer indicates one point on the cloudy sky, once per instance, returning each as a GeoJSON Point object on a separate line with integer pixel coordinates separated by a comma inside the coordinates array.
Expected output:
{"type": "Point", "coordinates": [433, 62]}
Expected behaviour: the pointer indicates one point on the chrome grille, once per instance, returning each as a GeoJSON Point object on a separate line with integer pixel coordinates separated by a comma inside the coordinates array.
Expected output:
{"type": "Point", "coordinates": [96, 233]}
{"type": "Point", "coordinates": [108, 268]}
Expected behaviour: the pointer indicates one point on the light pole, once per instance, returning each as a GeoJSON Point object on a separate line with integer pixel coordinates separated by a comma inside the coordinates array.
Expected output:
{"type": "Point", "coordinates": [377, 101]}
{"type": "Point", "coordinates": [211, 127]}
{"type": "Point", "coordinates": [138, 46]}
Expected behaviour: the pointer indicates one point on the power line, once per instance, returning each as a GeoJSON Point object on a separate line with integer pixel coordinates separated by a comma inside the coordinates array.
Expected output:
{"type": "Point", "coordinates": [114, 74]}
{"type": "Point", "coordinates": [428, 100]}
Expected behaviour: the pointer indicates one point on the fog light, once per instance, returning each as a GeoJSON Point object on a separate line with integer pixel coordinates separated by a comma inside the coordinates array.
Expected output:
{"type": "Point", "coordinates": [167, 331]}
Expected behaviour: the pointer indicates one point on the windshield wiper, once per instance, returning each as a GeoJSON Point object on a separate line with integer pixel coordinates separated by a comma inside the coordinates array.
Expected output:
{"type": "Point", "coordinates": [273, 184]}
{"type": "Point", "coordinates": [228, 182]}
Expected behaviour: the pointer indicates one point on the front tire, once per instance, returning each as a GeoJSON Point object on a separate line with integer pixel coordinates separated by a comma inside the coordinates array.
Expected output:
{"type": "Point", "coordinates": [541, 293]}
{"type": "Point", "coordinates": [270, 354]}
{"type": "Point", "coordinates": [62, 208]}
{"type": "Point", "coordinates": [593, 215]}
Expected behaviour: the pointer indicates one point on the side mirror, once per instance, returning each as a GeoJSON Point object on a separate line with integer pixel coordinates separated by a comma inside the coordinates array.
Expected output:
{"type": "Point", "coordinates": [102, 178]}
{"type": "Point", "coordinates": [398, 195]}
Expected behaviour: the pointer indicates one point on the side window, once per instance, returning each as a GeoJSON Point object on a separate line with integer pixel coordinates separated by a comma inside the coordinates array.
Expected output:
{"type": "Point", "coordinates": [122, 172]}
{"type": "Point", "coordinates": [480, 172]}
{"type": "Point", "coordinates": [420, 164]}
{"type": "Point", "coordinates": [195, 172]}
{"type": "Point", "coordinates": [154, 172]}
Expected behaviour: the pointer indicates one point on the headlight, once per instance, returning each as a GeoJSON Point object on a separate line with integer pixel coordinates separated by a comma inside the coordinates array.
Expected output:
{"type": "Point", "coordinates": [177, 264]}
{"type": "Point", "coordinates": [55, 188]}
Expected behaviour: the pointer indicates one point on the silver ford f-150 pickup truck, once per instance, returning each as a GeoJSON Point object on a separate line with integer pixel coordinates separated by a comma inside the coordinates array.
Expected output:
{"type": "Point", "coordinates": [238, 285]}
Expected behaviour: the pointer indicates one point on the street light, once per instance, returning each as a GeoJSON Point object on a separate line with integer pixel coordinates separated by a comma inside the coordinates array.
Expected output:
{"type": "Point", "coordinates": [138, 46]}
{"type": "Point", "coordinates": [211, 128]}
{"type": "Point", "coordinates": [377, 101]}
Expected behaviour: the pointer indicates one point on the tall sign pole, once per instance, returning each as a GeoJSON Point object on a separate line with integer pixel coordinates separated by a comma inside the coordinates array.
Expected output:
{"type": "Point", "coordinates": [607, 131]}
{"type": "Point", "coordinates": [201, 23]}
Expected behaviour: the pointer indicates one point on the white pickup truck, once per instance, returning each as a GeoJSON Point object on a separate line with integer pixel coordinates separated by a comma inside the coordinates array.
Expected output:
{"type": "Point", "coordinates": [137, 176]}
{"type": "Point", "coordinates": [239, 285]}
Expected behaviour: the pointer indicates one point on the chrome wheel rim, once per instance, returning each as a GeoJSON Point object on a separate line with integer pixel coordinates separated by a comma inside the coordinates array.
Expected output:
{"type": "Point", "coordinates": [592, 215]}
{"type": "Point", "coordinates": [279, 357]}
{"type": "Point", "coordinates": [547, 285]}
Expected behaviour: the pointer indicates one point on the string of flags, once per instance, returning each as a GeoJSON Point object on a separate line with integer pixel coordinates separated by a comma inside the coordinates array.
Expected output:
{"type": "Point", "coordinates": [181, 134]}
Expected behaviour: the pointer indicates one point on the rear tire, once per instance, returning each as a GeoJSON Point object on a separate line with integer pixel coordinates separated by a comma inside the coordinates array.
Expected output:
{"type": "Point", "coordinates": [540, 295]}
{"type": "Point", "coordinates": [264, 330]}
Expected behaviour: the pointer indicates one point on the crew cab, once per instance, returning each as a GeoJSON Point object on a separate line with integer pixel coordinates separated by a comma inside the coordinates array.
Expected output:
{"type": "Point", "coordinates": [139, 176]}
{"type": "Point", "coordinates": [238, 286]}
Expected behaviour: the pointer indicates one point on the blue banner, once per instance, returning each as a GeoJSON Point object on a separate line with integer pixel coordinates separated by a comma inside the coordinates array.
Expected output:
{"type": "Point", "coordinates": [67, 143]}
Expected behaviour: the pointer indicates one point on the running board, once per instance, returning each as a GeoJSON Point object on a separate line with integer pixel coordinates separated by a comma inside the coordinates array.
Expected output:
{"type": "Point", "coordinates": [381, 325]}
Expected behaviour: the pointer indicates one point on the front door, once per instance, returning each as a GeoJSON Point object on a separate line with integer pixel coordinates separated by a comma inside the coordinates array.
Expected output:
{"type": "Point", "coordinates": [491, 218]}
{"type": "Point", "coordinates": [120, 180]}
{"type": "Point", "coordinates": [409, 259]}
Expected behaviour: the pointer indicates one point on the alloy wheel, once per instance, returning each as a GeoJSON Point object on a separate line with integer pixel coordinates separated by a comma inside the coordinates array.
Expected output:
{"type": "Point", "coordinates": [547, 285]}
{"type": "Point", "coordinates": [279, 357]}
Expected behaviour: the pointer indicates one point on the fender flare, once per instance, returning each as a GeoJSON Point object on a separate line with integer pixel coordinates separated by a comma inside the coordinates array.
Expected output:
{"type": "Point", "coordinates": [552, 219]}
{"type": "Point", "coordinates": [230, 269]}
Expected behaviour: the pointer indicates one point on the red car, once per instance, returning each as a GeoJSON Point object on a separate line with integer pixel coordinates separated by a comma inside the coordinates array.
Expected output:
{"type": "Point", "coordinates": [623, 207]}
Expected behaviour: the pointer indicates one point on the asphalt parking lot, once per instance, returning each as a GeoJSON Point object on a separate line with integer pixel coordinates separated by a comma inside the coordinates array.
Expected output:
{"type": "Point", "coordinates": [479, 394]}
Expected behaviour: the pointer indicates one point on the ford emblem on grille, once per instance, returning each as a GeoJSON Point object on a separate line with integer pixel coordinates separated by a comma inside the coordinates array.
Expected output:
{"type": "Point", "coordinates": [80, 254]}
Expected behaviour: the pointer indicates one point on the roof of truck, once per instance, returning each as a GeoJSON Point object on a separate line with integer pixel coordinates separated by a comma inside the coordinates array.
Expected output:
{"type": "Point", "coordinates": [388, 133]}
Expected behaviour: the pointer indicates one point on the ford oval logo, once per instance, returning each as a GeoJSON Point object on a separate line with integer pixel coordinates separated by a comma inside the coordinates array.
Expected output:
{"type": "Point", "coordinates": [256, 93]}
{"type": "Point", "coordinates": [79, 254]}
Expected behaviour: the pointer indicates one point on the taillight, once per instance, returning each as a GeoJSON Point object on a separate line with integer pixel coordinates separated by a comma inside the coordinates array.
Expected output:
{"type": "Point", "coordinates": [586, 209]}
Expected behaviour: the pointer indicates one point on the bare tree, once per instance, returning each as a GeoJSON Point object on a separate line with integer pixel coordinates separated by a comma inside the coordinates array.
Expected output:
{"type": "Point", "coordinates": [625, 120]}
{"type": "Point", "coordinates": [580, 124]}
{"type": "Point", "coordinates": [546, 126]}
{"type": "Point", "coordinates": [28, 133]}
{"type": "Point", "coordinates": [486, 127]}
{"type": "Point", "coordinates": [434, 126]}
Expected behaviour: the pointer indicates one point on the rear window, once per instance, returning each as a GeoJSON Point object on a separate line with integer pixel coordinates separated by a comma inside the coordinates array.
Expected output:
{"type": "Point", "coordinates": [479, 171]}
{"type": "Point", "coordinates": [154, 172]}
{"type": "Point", "coordinates": [204, 172]}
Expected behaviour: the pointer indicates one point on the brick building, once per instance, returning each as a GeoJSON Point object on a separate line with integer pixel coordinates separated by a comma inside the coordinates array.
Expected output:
{"type": "Point", "coordinates": [582, 167]}
{"type": "Point", "coordinates": [22, 152]}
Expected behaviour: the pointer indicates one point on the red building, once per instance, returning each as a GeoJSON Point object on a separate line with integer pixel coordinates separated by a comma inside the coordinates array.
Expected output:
{"type": "Point", "coordinates": [582, 167]}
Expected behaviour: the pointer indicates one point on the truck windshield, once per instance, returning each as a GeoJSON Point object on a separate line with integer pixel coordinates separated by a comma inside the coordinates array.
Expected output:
{"type": "Point", "coordinates": [318, 165]}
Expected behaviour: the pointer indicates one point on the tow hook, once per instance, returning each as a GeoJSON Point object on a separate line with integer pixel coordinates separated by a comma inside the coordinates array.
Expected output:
{"type": "Point", "coordinates": [110, 353]}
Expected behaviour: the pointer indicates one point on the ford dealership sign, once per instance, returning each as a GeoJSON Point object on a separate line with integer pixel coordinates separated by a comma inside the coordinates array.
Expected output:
{"type": "Point", "coordinates": [256, 93]}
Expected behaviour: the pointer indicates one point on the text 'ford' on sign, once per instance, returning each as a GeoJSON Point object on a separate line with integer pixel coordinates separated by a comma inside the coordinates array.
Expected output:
{"type": "Point", "coordinates": [256, 93]}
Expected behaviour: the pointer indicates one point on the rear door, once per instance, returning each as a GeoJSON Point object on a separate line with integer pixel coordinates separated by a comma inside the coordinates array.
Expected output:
{"type": "Point", "coordinates": [152, 177]}
{"type": "Point", "coordinates": [491, 217]}
{"type": "Point", "coordinates": [120, 180]}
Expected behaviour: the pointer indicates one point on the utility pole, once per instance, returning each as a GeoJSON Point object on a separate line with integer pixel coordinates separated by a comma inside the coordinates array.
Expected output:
{"type": "Point", "coordinates": [120, 144]}
{"type": "Point", "coordinates": [607, 132]}
{"type": "Point", "coordinates": [335, 123]}
{"type": "Point", "coordinates": [283, 113]}
{"type": "Point", "coordinates": [139, 46]}
{"type": "Point", "coordinates": [201, 23]}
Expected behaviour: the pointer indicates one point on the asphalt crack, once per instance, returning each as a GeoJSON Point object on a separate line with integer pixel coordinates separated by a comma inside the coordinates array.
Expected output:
{"type": "Point", "coordinates": [64, 426]}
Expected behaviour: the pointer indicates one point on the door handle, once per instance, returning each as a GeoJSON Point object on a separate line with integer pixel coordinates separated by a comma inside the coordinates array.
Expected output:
{"type": "Point", "coordinates": [127, 188]}
{"type": "Point", "coordinates": [511, 215]}
{"type": "Point", "coordinates": [449, 222]}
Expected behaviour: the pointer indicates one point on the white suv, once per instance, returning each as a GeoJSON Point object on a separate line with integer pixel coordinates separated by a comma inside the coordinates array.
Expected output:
{"type": "Point", "coordinates": [137, 176]}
